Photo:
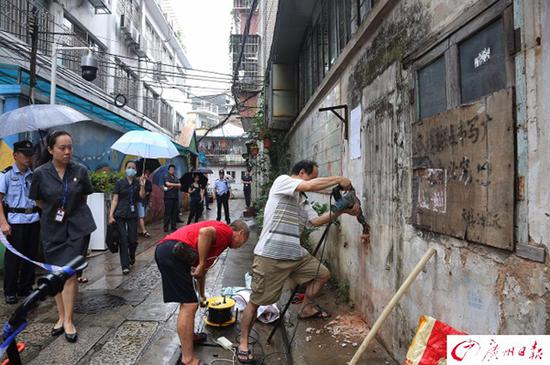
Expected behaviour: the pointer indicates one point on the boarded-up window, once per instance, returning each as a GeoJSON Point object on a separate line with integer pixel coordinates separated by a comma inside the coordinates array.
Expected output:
{"type": "Point", "coordinates": [463, 139]}
{"type": "Point", "coordinates": [432, 93]}
{"type": "Point", "coordinates": [482, 63]}
{"type": "Point", "coordinates": [463, 162]}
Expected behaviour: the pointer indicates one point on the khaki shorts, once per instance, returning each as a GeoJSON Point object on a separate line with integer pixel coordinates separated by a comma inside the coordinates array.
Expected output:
{"type": "Point", "coordinates": [269, 276]}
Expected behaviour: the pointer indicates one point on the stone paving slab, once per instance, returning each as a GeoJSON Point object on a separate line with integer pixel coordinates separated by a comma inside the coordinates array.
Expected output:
{"type": "Point", "coordinates": [126, 345]}
{"type": "Point", "coordinates": [62, 352]}
{"type": "Point", "coordinates": [111, 318]}
{"type": "Point", "coordinates": [145, 279]}
{"type": "Point", "coordinates": [164, 349]}
{"type": "Point", "coordinates": [106, 282]}
{"type": "Point", "coordinates": [36, 337]}
{"type": "Point", "coordinates": [153, 311]}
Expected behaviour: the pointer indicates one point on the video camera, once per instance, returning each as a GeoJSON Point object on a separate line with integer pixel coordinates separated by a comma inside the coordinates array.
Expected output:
{"type": "Point", "coordinates": [346, 201]}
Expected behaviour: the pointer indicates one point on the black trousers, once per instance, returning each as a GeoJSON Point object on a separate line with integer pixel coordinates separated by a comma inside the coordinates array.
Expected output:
{"type": "Point", "coordinates": [19, 273]}
{"type": "Point", "coordinates": [170, 213]}
{"type": "Point", "coordinates": [223, 200]}
{"type": "Point", "coordinates": [195, 207]}
{"type": "Point", "coordinates": [127, 244]}
{"type": "Point", "coordinates": [247, 195]}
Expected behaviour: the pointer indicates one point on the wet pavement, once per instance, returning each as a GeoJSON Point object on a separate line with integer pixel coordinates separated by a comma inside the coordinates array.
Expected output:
{"type": "Point", "coordinates": [121, 319]}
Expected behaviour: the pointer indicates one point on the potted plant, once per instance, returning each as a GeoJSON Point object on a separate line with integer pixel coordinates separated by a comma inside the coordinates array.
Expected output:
{"type": "Point", "coordinates": [267, 141]}
{"type": "Point", "coordinates": [100, 203]}
{"type": "Point", "coordinates": [254, 150]}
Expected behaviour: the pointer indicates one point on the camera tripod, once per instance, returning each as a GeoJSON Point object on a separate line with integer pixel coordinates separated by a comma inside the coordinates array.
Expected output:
{"type": "Point", "coordinates": [287, 305]}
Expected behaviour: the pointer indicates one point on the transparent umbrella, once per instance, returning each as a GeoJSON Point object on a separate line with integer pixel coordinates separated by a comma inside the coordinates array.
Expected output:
{"type": "Point", "coordinates": [38, 117]}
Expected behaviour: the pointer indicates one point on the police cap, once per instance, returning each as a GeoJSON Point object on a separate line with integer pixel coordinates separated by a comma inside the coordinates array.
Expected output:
{"type": "Point", "coordinates": [25, 147]}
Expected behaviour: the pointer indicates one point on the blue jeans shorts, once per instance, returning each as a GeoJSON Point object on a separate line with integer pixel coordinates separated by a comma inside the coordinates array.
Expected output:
{"type": "Point", "coordinates": [142, 210]}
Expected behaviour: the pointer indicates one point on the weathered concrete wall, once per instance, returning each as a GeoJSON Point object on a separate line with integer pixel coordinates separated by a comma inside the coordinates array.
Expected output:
{"type": "Point", "coordinates": [472, 287]}
{"type": "Point", "coordinates": [537, 74]}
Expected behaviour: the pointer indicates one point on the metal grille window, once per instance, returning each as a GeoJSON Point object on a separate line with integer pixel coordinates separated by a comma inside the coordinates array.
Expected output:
{"type": "Point", "coordinates": [242, 4]}
{"type": "Point", "coordinates": [343, 19]}
{"type": "Point", "coordinates": [127, 84]}
{"type": "Point", "coordinates": [482, 63]}
{"type": "Point", "coordinates": [14, 19]}
{"type": "Point", "coordinates": [476, 61]}
{"type": "Point", "coordinates": [326, 39]}
{"type": "Point", "coordinates": [166, 116]}
{"type": "Point", "coordinates": [249, 64]}
{"type": "Point", "coordinates": [131, 9]}
{"type": "Point", "coordinates": [150, 104]}
{"type": "Point", "coordinates": [82, 38]}
{"type": "Point", "coordinates": [364, 8]}
{"type": "Point", "coordinates": [432, 94]}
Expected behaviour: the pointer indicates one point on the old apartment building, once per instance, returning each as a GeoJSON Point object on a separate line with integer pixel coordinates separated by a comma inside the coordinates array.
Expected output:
{"type": "Point", "coordinates": [445, 138]}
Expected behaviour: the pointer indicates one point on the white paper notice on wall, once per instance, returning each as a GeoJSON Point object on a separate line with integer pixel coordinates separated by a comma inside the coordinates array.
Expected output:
{"type": "Point", "coordinates": [355, 133]}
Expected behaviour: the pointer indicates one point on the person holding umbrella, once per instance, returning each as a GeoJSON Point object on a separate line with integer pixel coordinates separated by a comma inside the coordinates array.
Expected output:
{"type": "Point", "coordinates": [124, 212]}
{"type": "Point", "coordinates": [154, 145]}
{"type": "Point", "coordinates": [60, 187]}
{"type": "Point", "coordinates": [196, 194]}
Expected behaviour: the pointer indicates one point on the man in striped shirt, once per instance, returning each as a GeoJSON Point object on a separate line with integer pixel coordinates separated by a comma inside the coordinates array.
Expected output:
{"type": "Point", "coordinates": [278, 254]}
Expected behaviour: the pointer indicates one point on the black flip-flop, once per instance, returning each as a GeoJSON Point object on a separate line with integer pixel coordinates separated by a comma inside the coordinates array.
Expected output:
{"type": "Point", "coordinates": [249, 357]}
{"type": "Point", "coordinates": [319, 314]}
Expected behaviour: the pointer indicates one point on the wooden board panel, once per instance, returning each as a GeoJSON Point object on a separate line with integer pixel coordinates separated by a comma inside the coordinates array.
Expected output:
{"type": "Point", "coordinates": [463, 163]}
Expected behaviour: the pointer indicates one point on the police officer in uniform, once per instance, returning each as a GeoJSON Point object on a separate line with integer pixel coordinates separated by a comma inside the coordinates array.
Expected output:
{"type": "Point", "coordinates": [19, 222]}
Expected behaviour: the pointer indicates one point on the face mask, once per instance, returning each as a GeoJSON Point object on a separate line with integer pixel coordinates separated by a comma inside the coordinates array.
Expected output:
{"type": "Point", "coordinates": [130, 172]}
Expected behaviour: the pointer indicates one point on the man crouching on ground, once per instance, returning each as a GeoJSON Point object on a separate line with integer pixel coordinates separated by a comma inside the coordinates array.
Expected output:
{"type": "Point", "coordinates": [278, 254]}
{"type": "Point", "coordinates": [186, 254]}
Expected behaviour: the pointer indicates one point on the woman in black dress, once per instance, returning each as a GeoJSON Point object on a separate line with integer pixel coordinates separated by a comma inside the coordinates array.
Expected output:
{"type": "Point", "coordinates": [124, 212]}
{"type": "Point", "coordinates": [196, 199]}
{"type": "Point", "coordinates": [60, 187]}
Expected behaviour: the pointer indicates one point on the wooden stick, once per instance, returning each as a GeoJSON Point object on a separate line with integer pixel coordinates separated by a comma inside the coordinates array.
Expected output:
{"type": "Point", "coordinates": [393, 302]}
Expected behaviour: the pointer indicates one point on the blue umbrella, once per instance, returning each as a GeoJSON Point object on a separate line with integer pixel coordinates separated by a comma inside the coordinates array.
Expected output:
{"type": "Point", "coordinates": [146, 144]}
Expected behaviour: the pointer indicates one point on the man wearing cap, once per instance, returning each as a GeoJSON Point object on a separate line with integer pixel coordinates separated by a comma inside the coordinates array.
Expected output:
{"type": "Point", "coordinates": [222, 194]}
{"type": "Point", "coordinates": [19, 222]}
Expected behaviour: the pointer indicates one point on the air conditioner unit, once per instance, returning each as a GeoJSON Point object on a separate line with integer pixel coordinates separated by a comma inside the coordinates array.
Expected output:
{"type": "Point", "coordinates": [141, 48]}
{"type": "Point", "coordinates": [134, 35]}
{"type": "Point", "coordinates": [125, 25]}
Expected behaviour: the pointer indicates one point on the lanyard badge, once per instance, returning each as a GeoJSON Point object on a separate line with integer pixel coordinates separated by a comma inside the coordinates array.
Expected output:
{"type": "Point", "coordinates": [60, 214]}
{"type": "Point", "coordinates": [132, 204]}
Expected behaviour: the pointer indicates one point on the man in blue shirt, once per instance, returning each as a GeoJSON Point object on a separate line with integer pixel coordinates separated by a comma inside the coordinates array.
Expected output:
{"type": "Point", "coordinates": [222, 192]}
{"type": "Point", "coordinates": [19, 222]}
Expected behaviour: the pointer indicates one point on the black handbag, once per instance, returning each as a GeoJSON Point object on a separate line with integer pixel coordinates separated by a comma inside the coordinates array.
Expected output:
{"type": "Point", "coordinates": [185, 253]}
{"type": "Point", "coordinates": [113, 237]}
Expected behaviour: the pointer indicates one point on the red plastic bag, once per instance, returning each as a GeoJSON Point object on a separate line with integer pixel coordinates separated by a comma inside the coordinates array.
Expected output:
{"type": "Point", "coordinates": [429, 345]}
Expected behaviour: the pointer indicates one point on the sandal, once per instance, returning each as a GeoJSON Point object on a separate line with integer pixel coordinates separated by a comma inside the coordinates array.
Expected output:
{"type": "Point", "coordinates": [319, 313]}
{"type": "Point", "coordinates": [245, 357]}
{"type": "Point", "coordinates": [82, 279]}
{"type": "Point", "coordinates": [146, 234]}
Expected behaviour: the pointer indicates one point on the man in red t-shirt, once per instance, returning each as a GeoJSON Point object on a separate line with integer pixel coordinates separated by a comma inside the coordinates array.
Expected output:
{"type": "Point", "coordinates": [186, 254]}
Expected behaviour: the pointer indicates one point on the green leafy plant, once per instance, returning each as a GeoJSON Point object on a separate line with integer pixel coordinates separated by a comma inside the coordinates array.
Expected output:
{"type": "Point", "coordinates": [103, 181]}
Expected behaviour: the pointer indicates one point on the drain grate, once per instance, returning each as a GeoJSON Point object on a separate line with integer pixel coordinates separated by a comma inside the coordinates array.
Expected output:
{"type": "Point", "coordinates": [95, 301]}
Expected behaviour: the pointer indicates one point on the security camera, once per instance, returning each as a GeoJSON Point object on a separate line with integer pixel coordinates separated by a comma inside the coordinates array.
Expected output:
{"type": "Point", "coordinates": [88, 65]}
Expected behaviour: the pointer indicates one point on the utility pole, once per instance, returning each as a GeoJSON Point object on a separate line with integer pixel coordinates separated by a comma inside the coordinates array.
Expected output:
{"type": "Point", "coordinates": [33, 30]}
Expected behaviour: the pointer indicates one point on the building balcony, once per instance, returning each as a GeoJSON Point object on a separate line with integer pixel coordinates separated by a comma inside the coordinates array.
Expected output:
{"type": "Point", "coordinates": [225, 159]}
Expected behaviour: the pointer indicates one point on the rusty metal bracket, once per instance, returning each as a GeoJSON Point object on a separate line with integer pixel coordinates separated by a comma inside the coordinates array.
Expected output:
{"type": "Point", "coordinates": [344, 118]}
